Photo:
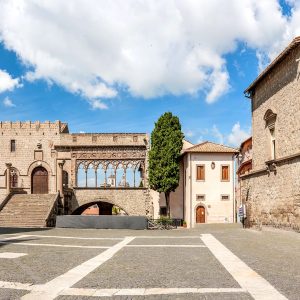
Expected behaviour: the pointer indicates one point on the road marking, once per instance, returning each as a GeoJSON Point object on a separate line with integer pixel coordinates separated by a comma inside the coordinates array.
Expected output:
{"type": "Point", "coordinates": [248, 279]}
{"type": "Point", "coordinates": [71, 237]}
{"type": "Point", "coordinates": [53, 288]}
{"type": "Point", "coordinates": [11, 254]}
{"type": "Point", "coordinates": [13, 238]}
{"type": "Point", "coordinates": [167, 237]}
{"type": "Point", "coordinates": [123, 292]}
{"type": "Point", "coordinates": [16, 285]}
{"type": "Point", "coordinates": [54, 245]}
{"type": "Point", "coordinates": [147, 291]}
{"type": "Point", "coordinates": [169, 246]}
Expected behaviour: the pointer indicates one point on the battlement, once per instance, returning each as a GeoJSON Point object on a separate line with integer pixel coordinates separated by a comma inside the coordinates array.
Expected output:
{"type": "Point", "coordinates": [36, 125]}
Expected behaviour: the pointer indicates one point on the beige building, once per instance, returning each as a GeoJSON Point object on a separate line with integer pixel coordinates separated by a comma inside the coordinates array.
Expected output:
{"type": "Point", "coordinates": [271, 190]}
{"type": "Point", "coordinates": [206, 189]}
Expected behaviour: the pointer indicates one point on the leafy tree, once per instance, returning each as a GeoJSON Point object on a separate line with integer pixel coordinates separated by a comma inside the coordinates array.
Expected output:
{"type": "Point", "coordinates": [166, 144]}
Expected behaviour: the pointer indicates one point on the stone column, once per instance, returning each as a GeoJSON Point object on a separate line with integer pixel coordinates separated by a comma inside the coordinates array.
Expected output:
{"type": "Point", "coordinates": [8, 166]}
{"type": "Point", "coordinates": [60, 178]}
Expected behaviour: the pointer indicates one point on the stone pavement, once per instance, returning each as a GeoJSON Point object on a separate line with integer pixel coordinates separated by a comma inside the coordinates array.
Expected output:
{"type": "Point", "coordinates": [209, 262]}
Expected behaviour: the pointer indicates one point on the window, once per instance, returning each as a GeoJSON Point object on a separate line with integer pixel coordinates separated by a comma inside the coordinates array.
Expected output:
{"type": "Point", "coordinates": [270, 119]}
{"type": "Point", "coordinates": [12, 145]}
{"type": "Point", "coordinates": [200, 197]}
{"type": "Point", "coordinates": [115, 138]}
{"type": "Point", "coordinates": [135, 138]}
{"type": "Point", "coordinates": [74, 139]}
{"type": "Point", "coordinates": [225, 173]}
{"type": "Point", "coordinates": [13, 178]}
{"type": "Point", "coordinates": [225, 197]}
{"type": "Point", "coordinates": [94, 138]}
{"type": "Point", "coordinates": [163, 211]}
{"type": "Point", "coordinates": [273, 144]}
{"type": "Point", "coordinates": [200, 172]}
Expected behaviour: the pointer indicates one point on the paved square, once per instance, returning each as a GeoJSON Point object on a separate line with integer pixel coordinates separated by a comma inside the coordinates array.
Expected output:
{"type": "Point", "coordinates": [211, 262]}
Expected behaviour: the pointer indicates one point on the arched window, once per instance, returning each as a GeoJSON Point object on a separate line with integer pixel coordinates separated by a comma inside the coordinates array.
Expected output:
{"type": "Point", "coordinates": [14, 178]}
{"type": "Point", "coordinates": [270, 120]}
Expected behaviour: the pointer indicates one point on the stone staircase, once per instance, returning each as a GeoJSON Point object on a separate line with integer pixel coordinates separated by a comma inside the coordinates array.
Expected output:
{"type": "Point", "coordinates": [28, 210]}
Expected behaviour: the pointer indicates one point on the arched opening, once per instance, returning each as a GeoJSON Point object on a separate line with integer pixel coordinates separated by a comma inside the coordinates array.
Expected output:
{"type": "Point", "coordinates": [39, 181]}
{"type": "Point", "coordinates": [14, 175]}
{"type": "Point", "coordinates": [99, 208]}
{"type": "Point", "coordinates": [200, 214]}
{"type": "Point", "coordinates": [81, 176]}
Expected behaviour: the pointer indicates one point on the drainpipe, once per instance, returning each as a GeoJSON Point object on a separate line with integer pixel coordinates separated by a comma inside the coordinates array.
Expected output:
{"type": "Point", "coordinates": [233, 192]}
{"type": "Point", "coordinates": [191, 197]}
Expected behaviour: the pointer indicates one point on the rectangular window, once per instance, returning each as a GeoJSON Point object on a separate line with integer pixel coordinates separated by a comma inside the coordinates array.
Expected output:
{"type": "Point", "coordinates": [135, 138]}
{"type": "Point", "coordinates": [224, 197]}
{"type": "Point", "coordinates": [163, 211]}
{"type": "Point", "coordinates": [200, 172]}
{"type": "Point", "coordinates": [12, 145]}
{"type": "Point", "coordinates": [74, 139]}
{"type": "Point", "coordinates": [225, 173]}
{"type": "Point", "coordinates": [94, 138]}
{"type": "Point", "coordinates": [200, 197]}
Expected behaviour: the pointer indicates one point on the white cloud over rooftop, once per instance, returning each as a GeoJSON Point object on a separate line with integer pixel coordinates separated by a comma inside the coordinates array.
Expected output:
{"type": "Point", "coordinates": [149, 48]}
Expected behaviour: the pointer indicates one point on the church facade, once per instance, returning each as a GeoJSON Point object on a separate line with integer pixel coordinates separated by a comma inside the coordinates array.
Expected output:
{"type": "Point", "coordinates": [271, 190]}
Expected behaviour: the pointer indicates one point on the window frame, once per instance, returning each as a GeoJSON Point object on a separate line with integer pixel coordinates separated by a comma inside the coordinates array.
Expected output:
{"type": "Point", "coordinates": [200, 165]}
{"type": "Point", "coordinates": [200, 195]}
{"type": "Point", "coordinates": [228, 166]}
{"type": "Point", "coordinates": [12, 146]}
{"type": "Point", "coordinates": [227, 195]}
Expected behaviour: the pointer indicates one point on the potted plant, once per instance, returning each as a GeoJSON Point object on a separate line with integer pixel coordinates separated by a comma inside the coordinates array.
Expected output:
{"type": "Point", "coordinates": [184, 224]}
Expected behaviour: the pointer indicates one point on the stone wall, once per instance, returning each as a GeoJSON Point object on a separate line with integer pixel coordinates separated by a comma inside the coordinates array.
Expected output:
{"type": "Point", "coordinates": [272, 197]}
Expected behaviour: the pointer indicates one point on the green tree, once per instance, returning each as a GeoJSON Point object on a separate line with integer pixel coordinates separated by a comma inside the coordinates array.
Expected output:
{"type": "Point", "coordinates": [166, 144]}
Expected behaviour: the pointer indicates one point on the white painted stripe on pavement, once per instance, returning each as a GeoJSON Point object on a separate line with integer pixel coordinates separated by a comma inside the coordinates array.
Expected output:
{"type": "Point", "coordinates": [146, 291]}
{"type": "Point", "coordinates": [72, 237]}
{"type": "Point", "coordinates": [169, 246]}
{"type": "Point", "coordinates": [55, 245]}
{"type": "Point", "coordinates": [53, 288]}
{"type": "Point", "coordinates": [248, 279]}
{"type": "Point", "coordinates": [167, 237]}
{"type": "Point", "coordinates": [15, 285]}
{"type": "Point", "coordinates": [14, 238]}
{"type": "Point", "coordinates": [11, 254]}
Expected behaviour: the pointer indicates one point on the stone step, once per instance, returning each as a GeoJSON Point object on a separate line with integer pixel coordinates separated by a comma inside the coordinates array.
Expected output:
{"type": "Point", "coordinates": [25, 210]}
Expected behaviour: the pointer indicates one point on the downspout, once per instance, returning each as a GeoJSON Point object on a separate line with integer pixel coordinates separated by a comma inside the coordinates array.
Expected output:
{"type": "Point", "coordinates": [191, 198]}
{"type": "Point", "coordinates": [233, 192]}
{"type": "Point", "coordinates": [183, 188]}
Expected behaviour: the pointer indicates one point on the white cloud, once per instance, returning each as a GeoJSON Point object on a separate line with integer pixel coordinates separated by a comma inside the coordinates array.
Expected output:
{"type": "Point", "coordinates": [189, 133]}
{"type": "Point", "coordinates": [237, 135]}
{"type": "Point", "coordinates": [148, 48]}
{"type": "Point", "coordinates": [7, 102]}
{"type": "Point", "coordinates": [217, 134]}
{"type": "Point", "coordinates": [7, 83]}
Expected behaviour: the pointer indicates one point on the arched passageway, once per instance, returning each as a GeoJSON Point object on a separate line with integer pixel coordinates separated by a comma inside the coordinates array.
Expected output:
{"type": "Point", "coordinates": [99, 208]}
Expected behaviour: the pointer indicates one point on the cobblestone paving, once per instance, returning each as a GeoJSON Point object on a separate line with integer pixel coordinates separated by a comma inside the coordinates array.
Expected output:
{"type": "Point", "coordinates": [272, 254]}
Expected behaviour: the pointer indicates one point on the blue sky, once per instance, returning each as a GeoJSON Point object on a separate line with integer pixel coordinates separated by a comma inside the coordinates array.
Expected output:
{"type": "Point", "coordinates": [129, 91]}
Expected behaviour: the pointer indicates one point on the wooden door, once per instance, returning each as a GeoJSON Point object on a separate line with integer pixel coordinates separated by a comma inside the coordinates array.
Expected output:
{"type": "Point", "coordinates": [200, 214]}
{"type": "Point", "coordinates": [39, 181]}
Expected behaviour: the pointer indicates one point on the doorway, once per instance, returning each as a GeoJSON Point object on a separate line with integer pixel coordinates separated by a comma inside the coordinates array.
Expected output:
{"type": "Point", "coordinates": [200, 214]}
{"type": "Point", "coordinates": [39, 181]}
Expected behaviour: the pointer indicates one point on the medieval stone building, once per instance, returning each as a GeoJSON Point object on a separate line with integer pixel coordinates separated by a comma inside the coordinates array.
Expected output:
{"type": "Point", "coordinates": [271, 190]}
{"type": "Point", "coordinates": [45, 171]}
